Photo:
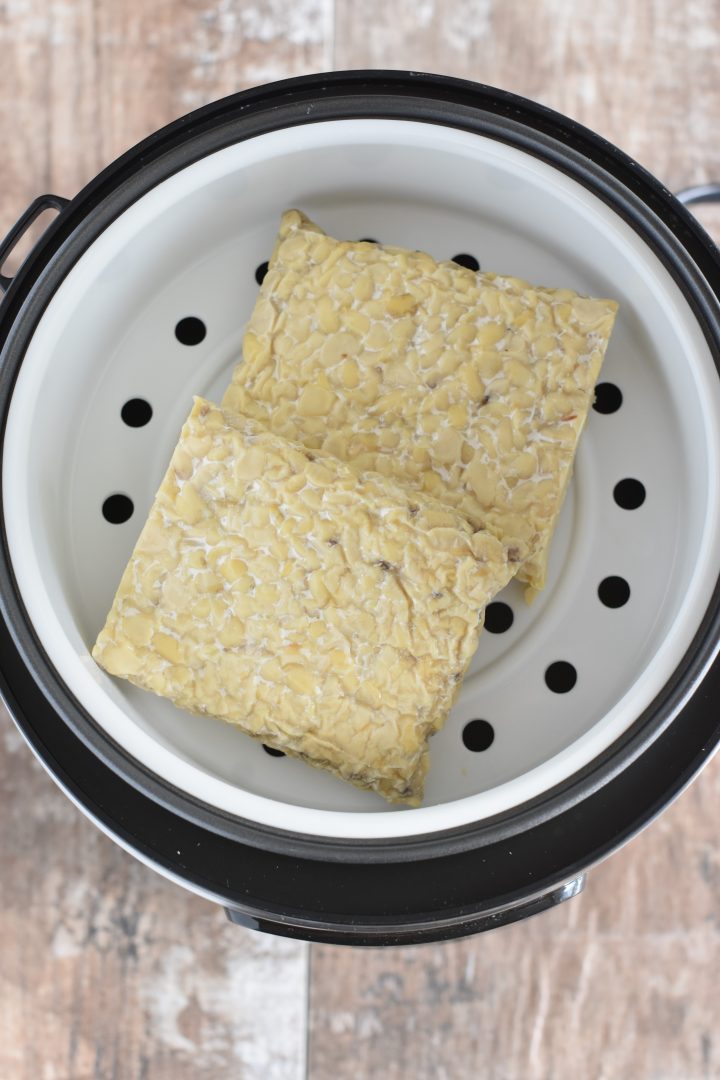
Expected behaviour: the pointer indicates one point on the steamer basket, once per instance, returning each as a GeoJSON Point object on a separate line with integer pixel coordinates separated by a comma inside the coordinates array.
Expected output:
{"type": "Point", "coordinates": [135, 299]}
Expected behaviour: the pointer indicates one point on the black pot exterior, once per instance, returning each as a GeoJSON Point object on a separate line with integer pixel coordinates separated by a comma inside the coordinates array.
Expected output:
{"type": "Point", "coordinates": [433, 886]}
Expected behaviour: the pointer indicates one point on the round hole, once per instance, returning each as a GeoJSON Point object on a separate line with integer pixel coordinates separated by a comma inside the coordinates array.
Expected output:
{"type": "Point", "coordinates": [272, 751]}
{"type": "Point", "coordinates": [560, 677]}
{"type": "Point", "coordinates": [629, 494]}
{"type": "Point", "coordinates": [498, 617]}
{"type": "Point", "coordinates": [136, 412]}
{"type": "Point", "coordinates": [608, 398]}
{"type": "Point", "coordinates": [260, 273]}
{"type": "Point", "coordinates": [367, 240]}
{"type": "Point", "coordinates": [478, 735]}
{"type": "Point", "coordinates": [468, 261]}
{"type": "Point", "coordinates": [614, 592]}
{"type": "Point", "coordinates": [190, 331]}
{"type": "Point", "coordinates": [117, 508]}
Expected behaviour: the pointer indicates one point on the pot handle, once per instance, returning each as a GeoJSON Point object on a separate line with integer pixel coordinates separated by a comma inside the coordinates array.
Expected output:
{"type": "Point", "coordinates": [356, 935]}
{"type": "Point", "coordinates": [700, 193]}
{"type": "Point", "coordinates": [36, 207]}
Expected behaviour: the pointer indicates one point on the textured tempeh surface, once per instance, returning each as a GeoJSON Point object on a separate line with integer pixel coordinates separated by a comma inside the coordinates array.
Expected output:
{"type": "Point", "coordinates": [330, 614]}
{"type": "Point", "coordinates": [472, 387]}
{"type": "Point", "coordinates": [107, 970]}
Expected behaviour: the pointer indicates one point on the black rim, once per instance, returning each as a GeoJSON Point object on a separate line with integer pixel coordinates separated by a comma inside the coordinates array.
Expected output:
{"type": "Point", "coordinates": [640, 200]}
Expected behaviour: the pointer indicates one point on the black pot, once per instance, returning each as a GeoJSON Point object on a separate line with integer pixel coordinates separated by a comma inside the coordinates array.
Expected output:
{"type": "Point", "coordinates": [454, 877]}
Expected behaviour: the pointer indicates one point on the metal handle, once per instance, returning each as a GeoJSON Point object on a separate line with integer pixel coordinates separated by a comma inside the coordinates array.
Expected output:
{"type": "Point", "coordinates": [356, 934]}
{"type": "Point", "coordinates": [23, 223]}
{"type": "Point", "coordinates": [700, 193]}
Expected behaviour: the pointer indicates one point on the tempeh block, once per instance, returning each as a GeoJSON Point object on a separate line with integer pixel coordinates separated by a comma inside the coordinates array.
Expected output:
{"type": "Point", "coordinates": [329, 614]}
{"type": "Point", "coordinates": [469, 386]}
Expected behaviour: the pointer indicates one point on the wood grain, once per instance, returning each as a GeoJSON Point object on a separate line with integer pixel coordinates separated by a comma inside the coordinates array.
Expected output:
{"type": "Point", "coordinates": [108, 971]}
{"type": "Point", "coordinates": [618, 983]}
{"type": "Point", "coordinates": [83, 80]}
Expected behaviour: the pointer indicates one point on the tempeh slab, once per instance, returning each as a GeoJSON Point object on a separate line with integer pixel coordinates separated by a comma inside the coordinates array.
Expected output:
{"type": "Point", "coordinates": [329, 614]}
{"type": "Point", "coordinates": [470, 386]}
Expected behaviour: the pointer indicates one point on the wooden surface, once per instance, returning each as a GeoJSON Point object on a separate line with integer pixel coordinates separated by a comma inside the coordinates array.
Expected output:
{"type": "Point", "coordinates": [107, 970]}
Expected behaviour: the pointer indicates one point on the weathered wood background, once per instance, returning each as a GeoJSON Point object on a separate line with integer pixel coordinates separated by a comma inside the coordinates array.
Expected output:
{"type": "Point", "coordinates": [106, 970]}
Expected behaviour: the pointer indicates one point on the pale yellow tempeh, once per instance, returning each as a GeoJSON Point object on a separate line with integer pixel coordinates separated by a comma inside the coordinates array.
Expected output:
{"type": "Point", "coordinates": [470, 386]}
{"type": "Point", "coordinates": [328, 614]}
